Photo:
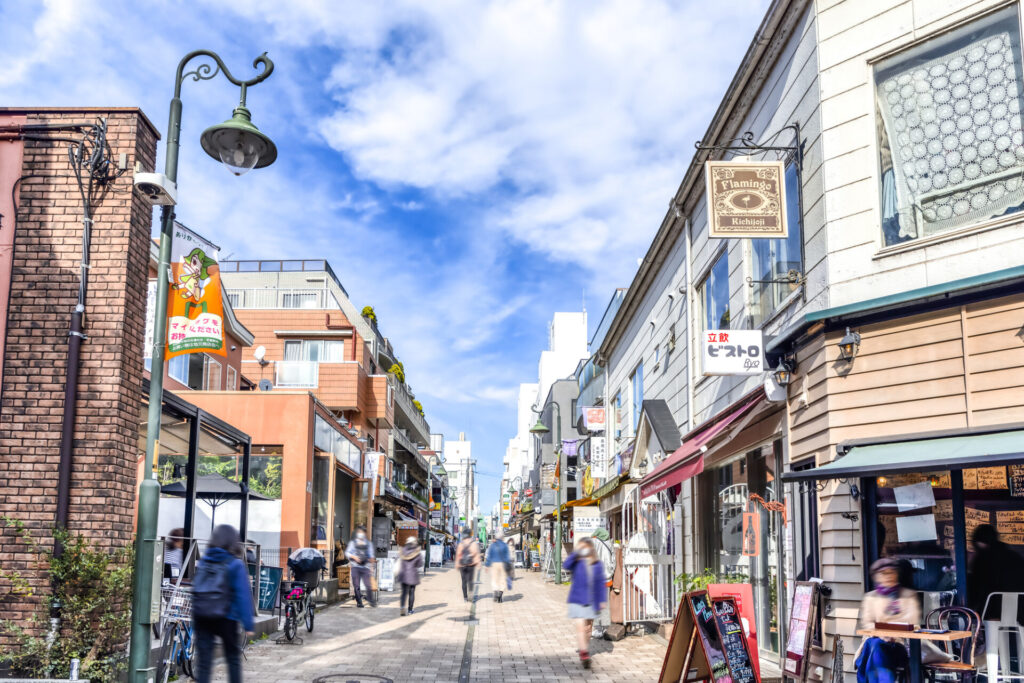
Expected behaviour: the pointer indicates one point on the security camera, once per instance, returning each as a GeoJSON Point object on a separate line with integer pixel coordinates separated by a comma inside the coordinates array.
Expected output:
{"type": "Point", "coordinates": [157, 188]}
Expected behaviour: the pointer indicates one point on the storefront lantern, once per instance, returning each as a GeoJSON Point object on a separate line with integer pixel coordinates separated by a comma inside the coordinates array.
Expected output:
{"type": "Point", "coordinates": [848, 345]}
{"type": "Point", "coordinates": [783, 373]}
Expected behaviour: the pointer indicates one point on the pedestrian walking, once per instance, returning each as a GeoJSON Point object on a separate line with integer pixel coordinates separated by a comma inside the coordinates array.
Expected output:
{"type": "Point", "coordinates": [467, 558]}
{"type": "Point", "coordinates": [174, 552]}
{"type": "Point", "coordinates": [360, 556]}
{"type": "Point", "coordinates": [587, 594]}
{"type": "Point", "coordinates": [499, 560]}
{"type": "Point", "coordinates": [410, 564]}
{"type": "Point", "coordinates": [221, 600]}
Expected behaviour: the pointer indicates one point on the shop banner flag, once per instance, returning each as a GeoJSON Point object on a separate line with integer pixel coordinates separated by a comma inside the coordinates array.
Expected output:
{"type": "Point", "coordinates": [593, 418]}
{"type": "Point", "coordinates": [195, 310]}
{"type": "Point", "coordinates": [570, 446]}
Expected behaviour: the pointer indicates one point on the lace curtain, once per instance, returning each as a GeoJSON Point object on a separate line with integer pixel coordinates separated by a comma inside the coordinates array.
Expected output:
{"type": "Point", "coordinates": [952, 141]}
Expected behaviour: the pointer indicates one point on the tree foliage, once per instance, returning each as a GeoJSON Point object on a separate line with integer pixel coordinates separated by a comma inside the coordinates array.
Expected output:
{"type": "Point", "coordinates": [93, 587]}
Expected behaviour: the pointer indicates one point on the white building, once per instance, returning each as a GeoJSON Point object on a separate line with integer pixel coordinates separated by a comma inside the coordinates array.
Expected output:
{"type": "Point", "coordinates": [461, 468]}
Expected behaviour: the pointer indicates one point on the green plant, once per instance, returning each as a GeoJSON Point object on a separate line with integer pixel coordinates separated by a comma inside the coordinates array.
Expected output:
{"type": "Point", "coordinates": [370, 314]}
{"type": "Point", "coordinates": [398, 370]}
{"type": "Point", "coordinates": [699, 582]}
{"type": "Point", "coordinates": [419, 407]}
{"type": "Point", "coordinates": [92, 586]}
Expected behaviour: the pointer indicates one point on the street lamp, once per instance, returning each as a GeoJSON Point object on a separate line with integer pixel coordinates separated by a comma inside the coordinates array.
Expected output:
{"type": "Point", "coordinates": [540, 428]}
{"type": "Point", "coordinates": [240, 146]}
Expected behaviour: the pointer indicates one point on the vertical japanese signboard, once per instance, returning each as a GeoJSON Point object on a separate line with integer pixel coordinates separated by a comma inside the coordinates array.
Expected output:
{"type": "Point", "coordinates": [195, 310]}
{"type": "Point", "coordinates": [746, 199]}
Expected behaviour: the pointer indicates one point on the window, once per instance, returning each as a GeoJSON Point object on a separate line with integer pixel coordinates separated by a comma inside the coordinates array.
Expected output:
{"type": "Point", "coordinates": [713, 295]}
{"type": "Point", "coordinates": [211, 380]}
{"type": "Point", "coordinates": [232, 383]}
{"type": "Point", "coordinates": [949, 129]}
{"type": "Point", "coordinates": [775, 259]}
{"type": "Point", "coordinates": [299, 300]}
{"type": "Point", "coordinates": [315, 350]}
{"type": "Point", "coordinates": [636, 383]}
{"type": "Point", "coordinates": [234, 298]}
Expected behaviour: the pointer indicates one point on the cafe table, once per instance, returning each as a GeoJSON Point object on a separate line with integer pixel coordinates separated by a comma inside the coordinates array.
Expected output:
{"type": "Point", "coordinates": [914, 639]}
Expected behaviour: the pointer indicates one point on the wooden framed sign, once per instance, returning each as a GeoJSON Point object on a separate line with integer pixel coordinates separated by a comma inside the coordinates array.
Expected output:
{"type": "Point", "coordinates": [716, 646]}
{"type": "Point", "coordinates": [734, 640]}
{"type": "Point", "coordinates": [802, 618]}
{"type": "Point", "coordinates": [746, 199]}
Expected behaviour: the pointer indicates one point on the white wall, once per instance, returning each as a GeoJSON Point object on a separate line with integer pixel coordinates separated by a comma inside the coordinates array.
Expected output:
{"type": "Point", "coordinates": [264, 519]}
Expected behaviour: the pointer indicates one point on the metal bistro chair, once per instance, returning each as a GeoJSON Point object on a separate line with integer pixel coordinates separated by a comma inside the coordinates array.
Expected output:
{"type": "Point", "coordinates": [955, 619]}
{"type": "Point", "coordinates": [1004, 637]}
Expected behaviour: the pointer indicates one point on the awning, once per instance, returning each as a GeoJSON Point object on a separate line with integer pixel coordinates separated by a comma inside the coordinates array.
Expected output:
{"type": "Point", "coordinates": [921, 455]}
{"type": "Point", "coordinates": [687, 461]}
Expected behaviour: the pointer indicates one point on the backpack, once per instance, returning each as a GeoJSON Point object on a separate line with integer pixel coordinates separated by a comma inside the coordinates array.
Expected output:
{"type": "Point", "coordinates": [211, 590]}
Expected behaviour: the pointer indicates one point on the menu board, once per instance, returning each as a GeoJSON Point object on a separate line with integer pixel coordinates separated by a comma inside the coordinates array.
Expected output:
{"type": "Point", "coordinates": [985, 478]}
{"type": "Point", "coordinates": [1016, 477]}
{"type": "Point", "coordinates": [734, 642]}
{"type": "Point", "coordinates": [707, 634]}
{"type": "Point", "coordinates": [801, 620]}
{"type": "Point", "coordinates": [270, 586]}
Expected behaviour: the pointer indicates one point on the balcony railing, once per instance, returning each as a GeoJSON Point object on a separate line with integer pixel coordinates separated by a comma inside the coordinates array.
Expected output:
{"type": "Point", "coordinates": [404, 400]}
{"type": "Point", "coordinates": [292, 298]}
{"type": "Point", "coordinates": [297, 374]}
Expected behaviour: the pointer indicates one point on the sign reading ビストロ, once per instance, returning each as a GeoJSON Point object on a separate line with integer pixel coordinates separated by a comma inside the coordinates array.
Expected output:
{"type": "Point", "coordinates": [746, 198]}
{"type": "Point", "coordinates": [733, 352]}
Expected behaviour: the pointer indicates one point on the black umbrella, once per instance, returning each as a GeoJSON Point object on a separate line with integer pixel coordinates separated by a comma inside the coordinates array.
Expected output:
{"type": "Point", "coordinates": [212, 489]}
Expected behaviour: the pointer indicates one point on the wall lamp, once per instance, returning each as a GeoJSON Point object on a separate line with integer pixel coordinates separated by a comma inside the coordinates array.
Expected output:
{"type": "Point", "coordinates": [783, 373]}
{"type": "Point", "coordinates": [848, 345]}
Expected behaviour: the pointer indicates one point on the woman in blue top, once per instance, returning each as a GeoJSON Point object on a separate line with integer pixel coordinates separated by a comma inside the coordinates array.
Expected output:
{"type": "Point", "coordinates": [222, 611]}
{"type": "Point", "coordinates": [587, 594]}
{"type": "Point", "coordinates": [499, 559]}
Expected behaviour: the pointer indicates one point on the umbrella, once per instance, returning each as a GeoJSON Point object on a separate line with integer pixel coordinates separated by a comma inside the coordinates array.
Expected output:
{"type": "Point", "coordinates": [212, 489]}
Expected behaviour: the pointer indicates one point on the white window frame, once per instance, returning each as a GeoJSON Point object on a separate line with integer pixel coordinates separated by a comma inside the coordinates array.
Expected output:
{"type": "Point", "coordinates": [211, 371]}
{"type": "Point", "coordinates": [232, 379]}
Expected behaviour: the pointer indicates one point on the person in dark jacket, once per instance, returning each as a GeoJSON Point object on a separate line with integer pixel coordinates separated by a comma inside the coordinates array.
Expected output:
{"type": "Point", "coordinates": [995, 568]}
{"type": "Point", "coordinates": [224, 555]}
{"type": "Point", "coordinates": [588, 593]}
{"type": "Point", "coordinates": [409, 571]}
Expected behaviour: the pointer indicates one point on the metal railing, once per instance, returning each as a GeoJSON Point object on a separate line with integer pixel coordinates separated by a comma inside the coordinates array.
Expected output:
{"type": "Point", "coordinates": [404, 399]}
{"type": "Point", "coordinates": [290, 298]}
{"type": "Point", "coordinates": [297, 374]}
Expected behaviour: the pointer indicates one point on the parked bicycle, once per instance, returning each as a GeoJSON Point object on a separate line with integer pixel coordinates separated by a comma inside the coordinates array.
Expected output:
{"type": "Point", "coordinates": [307, 566]}
{"type": "Point", "coordinates": [177, 647]}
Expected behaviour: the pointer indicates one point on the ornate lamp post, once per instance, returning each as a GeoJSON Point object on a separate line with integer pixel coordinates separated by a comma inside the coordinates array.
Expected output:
{"type": "Point", "coordinates": [540, 428]}
{"type": "Point", "coordinates": [240, 146]}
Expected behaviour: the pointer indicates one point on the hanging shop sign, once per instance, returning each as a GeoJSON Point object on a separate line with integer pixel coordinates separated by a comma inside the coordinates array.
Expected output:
{"type": "Point", "coordinates": [195, 310]}
{"type": "Point", "coordinates": [593, 418]}
{"type": "Point", "coordinates": [751, 534]}
{"type": "Point", "coordinates": [598, 458]}
{"type": "Point", "coordinates": [586, 520]}
{"type": "Point", "coordinates": [747, 199]}
{"type": "Point", "coordinates": [588, 482]}
{"type": "Point", "coordinates": [570, 447]}
{"type": "Point", "coordinates": [733, 352]}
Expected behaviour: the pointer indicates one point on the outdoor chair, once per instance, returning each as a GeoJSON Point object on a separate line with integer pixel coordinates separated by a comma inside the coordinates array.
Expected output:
{"type": "Point", "coordinates": [962, 666]}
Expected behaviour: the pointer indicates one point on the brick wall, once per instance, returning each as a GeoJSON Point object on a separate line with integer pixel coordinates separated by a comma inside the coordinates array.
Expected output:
{"type": "Point", "coordinates": [44, 284]}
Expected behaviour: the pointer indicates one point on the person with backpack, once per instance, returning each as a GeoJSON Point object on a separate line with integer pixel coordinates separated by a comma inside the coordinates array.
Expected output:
{"type": "Point", "coordinates": [467, 558]}
{"type": "Point", "coordinates": [410, 563]}
{"type": "Point", "coordinates": [221, 600]}
{"type": "Point", "coordinates": [360, 555]}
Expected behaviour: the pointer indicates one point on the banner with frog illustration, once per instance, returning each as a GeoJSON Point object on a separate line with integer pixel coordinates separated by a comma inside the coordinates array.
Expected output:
{"type": "Point", "coordinates": [195, 311]}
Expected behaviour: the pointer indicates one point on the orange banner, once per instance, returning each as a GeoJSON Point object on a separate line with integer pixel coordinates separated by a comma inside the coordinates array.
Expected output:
{"type": "Point", "coordinates": [195, 310]}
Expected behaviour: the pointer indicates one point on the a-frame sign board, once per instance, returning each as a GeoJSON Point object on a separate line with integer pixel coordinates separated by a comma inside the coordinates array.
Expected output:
{"type": "Point", "coordinates": [707, 643]}
{"type": "Point", "coordinates": [684, 652]}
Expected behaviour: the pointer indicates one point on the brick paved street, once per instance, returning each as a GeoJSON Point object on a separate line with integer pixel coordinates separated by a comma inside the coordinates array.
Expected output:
{"type": "Point", "coordinates": [526, 638]}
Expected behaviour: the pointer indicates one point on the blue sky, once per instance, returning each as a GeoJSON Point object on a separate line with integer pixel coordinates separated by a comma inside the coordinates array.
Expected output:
{"type": "Point", "coordinates": [467, 167]}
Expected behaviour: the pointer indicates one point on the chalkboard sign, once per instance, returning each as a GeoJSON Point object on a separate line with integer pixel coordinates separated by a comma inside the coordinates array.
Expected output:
{"type": "Point", "coordinates": [707, 634]}
{"type": "Point", "coordinates": [270, 586]}
{"type": "Point", "coordinates": [1016, 473]}
{"type": "Point", "coordinates": [734, 641]}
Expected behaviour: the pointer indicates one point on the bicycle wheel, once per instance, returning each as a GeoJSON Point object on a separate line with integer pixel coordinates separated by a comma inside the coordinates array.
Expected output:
{"type": "Point", "coordinates": [188, 652]}
{"type": "Point", "coordinates": [309, 617]}
{"type": "Point", "coordinates": [168, 644]}
{"type": "Point", "coordinates": [289, 622]}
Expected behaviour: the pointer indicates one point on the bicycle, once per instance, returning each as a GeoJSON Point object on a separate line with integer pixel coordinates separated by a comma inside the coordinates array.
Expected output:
{"type": "Point", "coordinates": [297, 599]}
{"type": "Point", "coordinates": [177, 646]}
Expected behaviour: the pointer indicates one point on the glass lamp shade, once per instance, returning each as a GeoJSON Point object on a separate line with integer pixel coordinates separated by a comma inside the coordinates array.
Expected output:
{"type": "Point", "coordinates": [239, 144]}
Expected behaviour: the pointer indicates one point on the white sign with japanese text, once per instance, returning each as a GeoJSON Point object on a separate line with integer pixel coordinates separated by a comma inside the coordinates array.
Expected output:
{"type": "Point", "coordinates": [733, 352]}
{"type": "Point", "coordinates": [586, 520]}
{"type": "Point", "coordinates": [598, 458]}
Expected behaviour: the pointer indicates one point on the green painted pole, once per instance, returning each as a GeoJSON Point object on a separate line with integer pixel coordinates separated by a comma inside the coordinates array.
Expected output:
{"type": "Point", "coordinates": [149, 490]}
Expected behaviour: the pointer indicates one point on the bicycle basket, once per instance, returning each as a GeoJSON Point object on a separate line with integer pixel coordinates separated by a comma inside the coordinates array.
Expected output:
{"type": "Point", "coordinates": [177, 603]}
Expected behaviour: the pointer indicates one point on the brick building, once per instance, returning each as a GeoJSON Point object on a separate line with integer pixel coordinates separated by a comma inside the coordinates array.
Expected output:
{"type": "Point", "coordinates": [41, 254]}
